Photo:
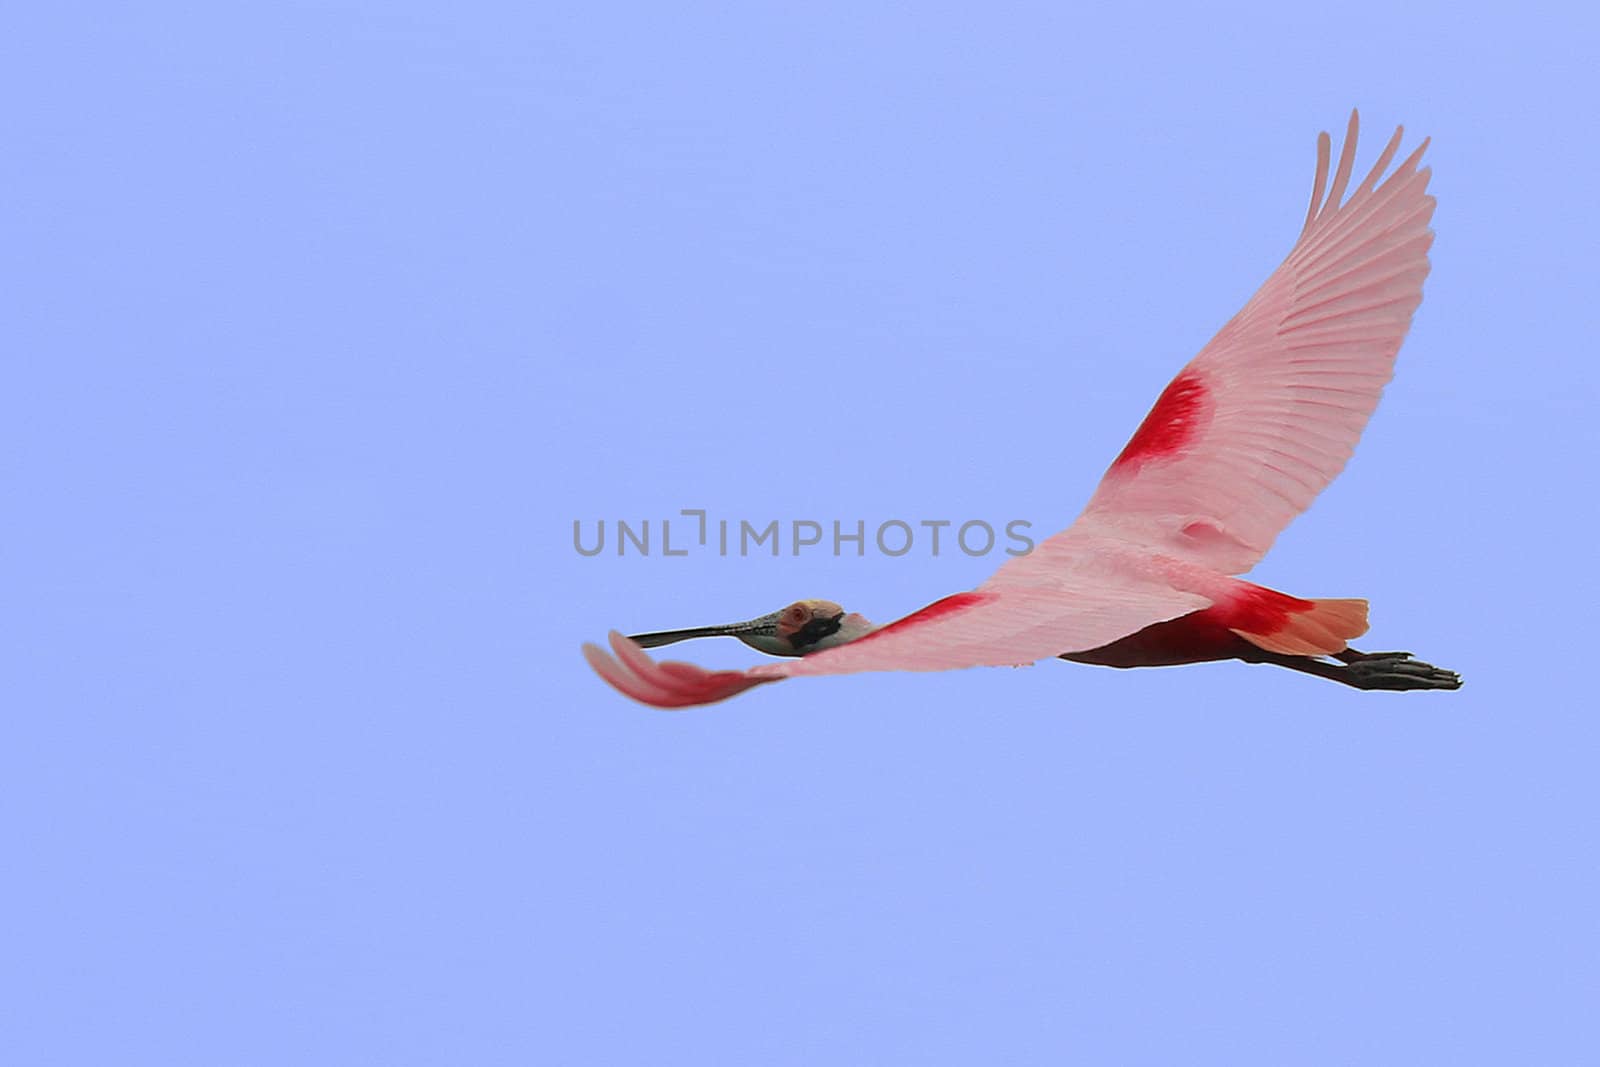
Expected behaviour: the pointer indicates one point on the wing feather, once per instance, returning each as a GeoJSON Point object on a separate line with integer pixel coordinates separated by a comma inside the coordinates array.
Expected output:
{"type": "Point", "coordinates": [1273, 406]}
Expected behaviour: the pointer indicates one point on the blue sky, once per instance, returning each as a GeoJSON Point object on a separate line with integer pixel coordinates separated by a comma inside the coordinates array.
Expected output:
{"type": "Point", "coordinates": [326, 321]}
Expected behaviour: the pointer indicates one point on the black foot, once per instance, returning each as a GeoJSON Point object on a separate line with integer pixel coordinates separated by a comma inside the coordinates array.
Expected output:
{"type": "Point", "coordinates": [1393, 670]}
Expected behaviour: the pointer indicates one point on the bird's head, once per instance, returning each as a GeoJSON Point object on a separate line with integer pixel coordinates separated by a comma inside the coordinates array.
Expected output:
{"type": "Point", "coordinates": [804, 627]}
{"type": "Point", "coordinates": [806, 622]}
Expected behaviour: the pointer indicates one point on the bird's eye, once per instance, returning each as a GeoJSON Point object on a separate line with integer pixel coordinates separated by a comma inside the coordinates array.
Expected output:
{"type": "Point", "coordinates": [796, 613]}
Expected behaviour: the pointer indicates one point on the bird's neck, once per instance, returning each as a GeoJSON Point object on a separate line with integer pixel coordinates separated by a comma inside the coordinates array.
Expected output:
{"type": "Point", "coordinates": [851, 628]}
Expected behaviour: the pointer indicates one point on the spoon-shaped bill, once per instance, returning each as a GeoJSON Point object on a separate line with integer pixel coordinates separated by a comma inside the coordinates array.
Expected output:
{"type": "Point", "coordinates": [765, 626]}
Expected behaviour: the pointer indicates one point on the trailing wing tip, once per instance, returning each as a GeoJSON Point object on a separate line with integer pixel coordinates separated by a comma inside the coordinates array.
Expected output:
{"type": "Point", "coordinates": [631, 672]}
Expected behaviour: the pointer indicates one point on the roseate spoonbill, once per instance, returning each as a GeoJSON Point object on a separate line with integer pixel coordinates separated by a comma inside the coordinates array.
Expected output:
{"type": "Point", "coordinates": [1235, 447]}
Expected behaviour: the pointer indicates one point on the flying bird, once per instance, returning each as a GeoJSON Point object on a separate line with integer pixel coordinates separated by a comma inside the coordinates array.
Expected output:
{"type": "Point", "coordinates": [1236, 446]}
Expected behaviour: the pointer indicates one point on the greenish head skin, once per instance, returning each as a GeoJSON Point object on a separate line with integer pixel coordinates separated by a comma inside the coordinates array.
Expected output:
{"type": "Point", "coordinates": [804, 627]}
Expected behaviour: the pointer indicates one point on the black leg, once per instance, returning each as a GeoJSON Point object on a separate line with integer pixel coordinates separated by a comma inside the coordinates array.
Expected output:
{"type": "Point", "coordinates": [1367, 670]}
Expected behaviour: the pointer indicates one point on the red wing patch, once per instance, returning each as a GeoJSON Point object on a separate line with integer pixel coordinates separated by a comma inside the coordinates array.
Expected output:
{"type": "Point", "coordinates": [939, 609]}
{"type": "Point", "coordinates": [1281, 623]}
{"type": "Point", "coordinates": [1172, 425]}
{"type": "Point", "coordinates": [1259, 610]}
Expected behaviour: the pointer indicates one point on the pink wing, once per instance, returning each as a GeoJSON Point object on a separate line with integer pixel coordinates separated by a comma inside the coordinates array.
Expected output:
{"type": "Point", "coordinates": [1268, 413]}
{"type": "Point", "coordinates": [665, 685]}
{"type": "Point", "coordinates": [1012, 619]}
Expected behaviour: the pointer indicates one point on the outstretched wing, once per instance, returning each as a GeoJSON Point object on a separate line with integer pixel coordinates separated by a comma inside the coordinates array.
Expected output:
{"type": "Point", "coordinates": [1091, 598]}
{"type": "Point", "coordinates": [1268, 413]}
